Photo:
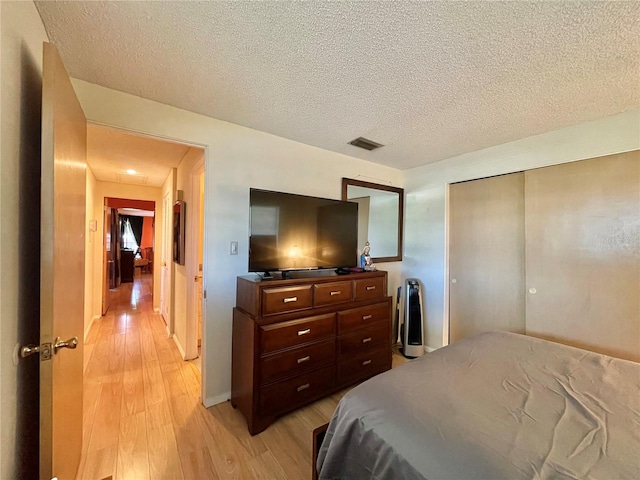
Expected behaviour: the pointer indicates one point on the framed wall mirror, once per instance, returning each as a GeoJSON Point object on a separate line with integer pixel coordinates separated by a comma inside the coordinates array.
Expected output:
{"type": "Point", "coordinates": [380, 214]}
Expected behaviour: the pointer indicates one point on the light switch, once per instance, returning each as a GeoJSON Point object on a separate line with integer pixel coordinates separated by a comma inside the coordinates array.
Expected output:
{"type": "Point", "coordinates": [233, 248]}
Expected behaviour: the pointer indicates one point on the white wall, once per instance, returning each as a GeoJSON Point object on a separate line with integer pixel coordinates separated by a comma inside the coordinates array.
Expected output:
{"type": "Point", "coordinates": [426, 187]}
{"type": "Point", "coordinates": [134, 192]}
{"type": "Point", "coordinates": [237, 158]}
{"type": "Point", "coordinates": [21, 37]}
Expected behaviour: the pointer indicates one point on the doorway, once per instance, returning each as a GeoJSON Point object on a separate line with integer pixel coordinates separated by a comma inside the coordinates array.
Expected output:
{"type": "Point", "coordinates": [129, 240]}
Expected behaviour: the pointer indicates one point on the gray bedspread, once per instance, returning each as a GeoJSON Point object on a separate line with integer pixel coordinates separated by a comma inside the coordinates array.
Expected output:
{"type": "Point", "coordinates": [494, 406]}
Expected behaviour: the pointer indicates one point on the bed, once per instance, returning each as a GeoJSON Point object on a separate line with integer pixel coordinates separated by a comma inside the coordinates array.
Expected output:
{"type": "Point", "coordinates": [494, 406]}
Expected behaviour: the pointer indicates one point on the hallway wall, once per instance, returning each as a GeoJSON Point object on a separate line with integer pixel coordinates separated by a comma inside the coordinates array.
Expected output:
{"type": "Point", "coordinates": [92, 255]}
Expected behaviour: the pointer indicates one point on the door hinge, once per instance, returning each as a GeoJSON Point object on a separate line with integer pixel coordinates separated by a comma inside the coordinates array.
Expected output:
{"type": "Point", "coordinates": [204, 294]}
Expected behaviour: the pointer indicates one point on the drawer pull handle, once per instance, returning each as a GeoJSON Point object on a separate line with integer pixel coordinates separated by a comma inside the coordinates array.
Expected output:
{"type": "Point", "coordinates": [371, 287]}
{"type": "Point", "coordinates": [366, 362]}
{"type": "Point", "coordinates": [290, 299]}
{"type": "Point", "coordinates": [304, 359]}
{"type": "Point", "coordinates": [367, 317]}
{"type": "Point", "coordinates": [337, 292]}
{"type": "Point", "coordinates": [303, 387]}
{"type": "Point", "coordinates": [365, 340]}
{"type": "Point", "coordinates": [304, 332]}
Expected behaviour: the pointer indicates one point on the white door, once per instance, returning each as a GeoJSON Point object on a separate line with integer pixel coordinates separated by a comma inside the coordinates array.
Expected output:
{"type": "Point", "coordinates": [61, 270]}
{"type": "Point", "coordinates": [165, 281]}
{"type": "Point", "coordinates": [193, 259]}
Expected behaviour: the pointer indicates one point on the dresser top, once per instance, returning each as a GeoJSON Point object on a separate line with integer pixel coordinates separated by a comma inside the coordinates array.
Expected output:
{"type": "Point", "coordinates": [309, 276]}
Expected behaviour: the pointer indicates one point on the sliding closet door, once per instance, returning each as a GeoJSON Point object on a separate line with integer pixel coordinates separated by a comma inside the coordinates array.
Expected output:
{"type": "Point", "coordinates": [583, 254]}
{"type": "Point", "coordinates": [486, 256]}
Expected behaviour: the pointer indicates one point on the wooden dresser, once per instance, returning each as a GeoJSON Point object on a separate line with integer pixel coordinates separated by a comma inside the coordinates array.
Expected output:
{"type": "Point", "coordinates": [297, 340]}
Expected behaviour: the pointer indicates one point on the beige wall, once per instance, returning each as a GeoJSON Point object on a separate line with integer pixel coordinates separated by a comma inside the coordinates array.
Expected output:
{"type": "Point", "coordinates": [237, 158]}
{"type": "Point", "coordinates": [426, 204]}
{"type": "Point", "coordinates": [92, 256]}
{"type": "Point", "coordinates": [21, 37]}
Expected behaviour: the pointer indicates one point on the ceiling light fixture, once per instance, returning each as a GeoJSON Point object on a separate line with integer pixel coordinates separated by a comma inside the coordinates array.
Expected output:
{"type": "Point", "coordinates": [131, 171]}
{"type": "Point", "coordinates": [365, 143]}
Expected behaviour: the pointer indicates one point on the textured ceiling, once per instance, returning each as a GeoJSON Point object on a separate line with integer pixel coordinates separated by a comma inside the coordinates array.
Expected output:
{"type": "Point", "coordinates": [110, 153]}
{"type": "Point", "coordinates": [429, 80]}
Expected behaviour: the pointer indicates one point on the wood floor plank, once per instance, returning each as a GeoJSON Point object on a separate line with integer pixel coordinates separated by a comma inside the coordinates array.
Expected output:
{"type": "Point", "coordinates": [106, 424]}
{"type": "Point", "coordinates": [99, 464]}
{"type": "Point", "coordinates": [164, 460]}
{"type": "Point", "coordinates": [132, 392]}
{"type": "Point", "coordinates": [147, 345]}
{"type": "Point", "coordinates": [153, 383]}
{"type": "Point", "coordinates": [133, 458]}
{"type": "Point", "coordinates": [158, 415]}
{"type": "Point", "coordinates": [265, 467]}
{"type": "Point", "coordinates": [230, 456]}
{"type": "Point", "coordinates": [90, 397]}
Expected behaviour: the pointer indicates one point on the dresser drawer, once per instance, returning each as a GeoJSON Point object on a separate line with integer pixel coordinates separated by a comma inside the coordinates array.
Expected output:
{"type": "Point", "coordinates": [356, 318]}
{"type": "Point", "coordinates": [332, 293]}
{"type": "Point", "coordinates": [363, 366]}
{"type": "Point", "coordinates": [294, 362]}
{"type": "Point", "coordinates": [367, 288]}
{"type": "Point", "coordinates": [296, 332]}
{"type": "Point", "coordinates": [286, 299]}
{"type": "Point", "coordinates": [364, 341]}
{"type": "Point", "coordinates": [294, 392]}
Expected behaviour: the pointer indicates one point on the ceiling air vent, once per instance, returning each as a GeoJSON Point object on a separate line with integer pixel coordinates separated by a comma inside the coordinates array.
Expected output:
{"type": "Point", "coordinates": [365, 143]}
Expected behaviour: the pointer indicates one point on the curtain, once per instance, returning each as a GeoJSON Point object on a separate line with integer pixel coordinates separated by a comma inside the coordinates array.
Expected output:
{"type": "Point", "coordinates": [136, 226]}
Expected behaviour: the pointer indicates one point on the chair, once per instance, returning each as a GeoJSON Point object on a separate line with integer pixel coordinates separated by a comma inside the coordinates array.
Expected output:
{"type": "Point", "coordinates": [147, 254]}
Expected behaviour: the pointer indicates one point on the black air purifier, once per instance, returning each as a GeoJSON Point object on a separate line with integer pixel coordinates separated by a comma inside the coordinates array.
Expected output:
{"type": "Point", "coordinates": [412, 328]}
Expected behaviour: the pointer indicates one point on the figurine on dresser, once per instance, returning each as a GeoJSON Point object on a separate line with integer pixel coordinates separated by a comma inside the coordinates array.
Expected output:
{"type": "Point", "coordinates": [365, 259]}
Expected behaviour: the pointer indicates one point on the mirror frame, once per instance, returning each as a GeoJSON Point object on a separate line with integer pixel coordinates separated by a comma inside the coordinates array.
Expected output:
{"type": "Point", "coordinates": [387, 188]}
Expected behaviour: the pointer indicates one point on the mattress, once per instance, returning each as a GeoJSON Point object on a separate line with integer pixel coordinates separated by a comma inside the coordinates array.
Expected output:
{"type": "Point", "coordinates": [494, 406]}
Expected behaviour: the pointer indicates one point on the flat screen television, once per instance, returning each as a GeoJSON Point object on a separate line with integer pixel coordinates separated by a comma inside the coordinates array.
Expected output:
{"type": "Point", "coordinates": [299, 232]}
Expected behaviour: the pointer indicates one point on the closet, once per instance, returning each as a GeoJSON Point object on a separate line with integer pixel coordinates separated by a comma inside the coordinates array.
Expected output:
{"type": "Point", "coordinates": [552, 252]}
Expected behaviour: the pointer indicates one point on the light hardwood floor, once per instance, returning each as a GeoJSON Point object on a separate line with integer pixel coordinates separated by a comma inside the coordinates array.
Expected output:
{"type": "Point", "coordinates": [142, 413]}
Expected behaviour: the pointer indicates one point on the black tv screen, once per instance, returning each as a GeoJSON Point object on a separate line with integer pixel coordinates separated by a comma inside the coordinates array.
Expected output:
{"type": "Point", "coordinates": [298, 232]}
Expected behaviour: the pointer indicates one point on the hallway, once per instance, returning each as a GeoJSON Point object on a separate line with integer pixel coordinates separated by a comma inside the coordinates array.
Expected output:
{"type": "Point", "coordinates": [143, 417]}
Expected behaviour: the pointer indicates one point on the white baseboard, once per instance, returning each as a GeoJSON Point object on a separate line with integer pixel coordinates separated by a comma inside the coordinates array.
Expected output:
{"type": "Point", "coordinates": [429, 349]}
{"type": "Point", "coordinates": [211, 401]}
{"type": "Point", "coordinates": [156, 310]}
{"type": "Point", "coordinates": [180, 349]}
{"type": "Point", "coordinates": [88, 329]}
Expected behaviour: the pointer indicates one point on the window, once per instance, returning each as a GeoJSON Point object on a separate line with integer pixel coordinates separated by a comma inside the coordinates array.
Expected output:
{"type": "Point", "coordinates": [128, 238]}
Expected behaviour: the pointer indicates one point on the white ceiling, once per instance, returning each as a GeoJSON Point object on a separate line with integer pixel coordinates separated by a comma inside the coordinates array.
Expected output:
{"type": "Point", "coordinates": [430, 80]}
{"type": "Point", "coordinates": [111, 152]}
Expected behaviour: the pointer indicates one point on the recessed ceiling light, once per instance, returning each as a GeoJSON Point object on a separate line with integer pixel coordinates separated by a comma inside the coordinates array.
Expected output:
{"type": "Point", "coordinates": [131, 171]}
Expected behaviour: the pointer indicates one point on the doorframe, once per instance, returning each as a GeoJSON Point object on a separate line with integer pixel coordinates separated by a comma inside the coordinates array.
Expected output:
{"type": "Point", "coordinates": [205, 257]}
{"type": "Point", "coordinates": [447, 294]}
{"type": "Point", "coordinates": [191, 261]}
